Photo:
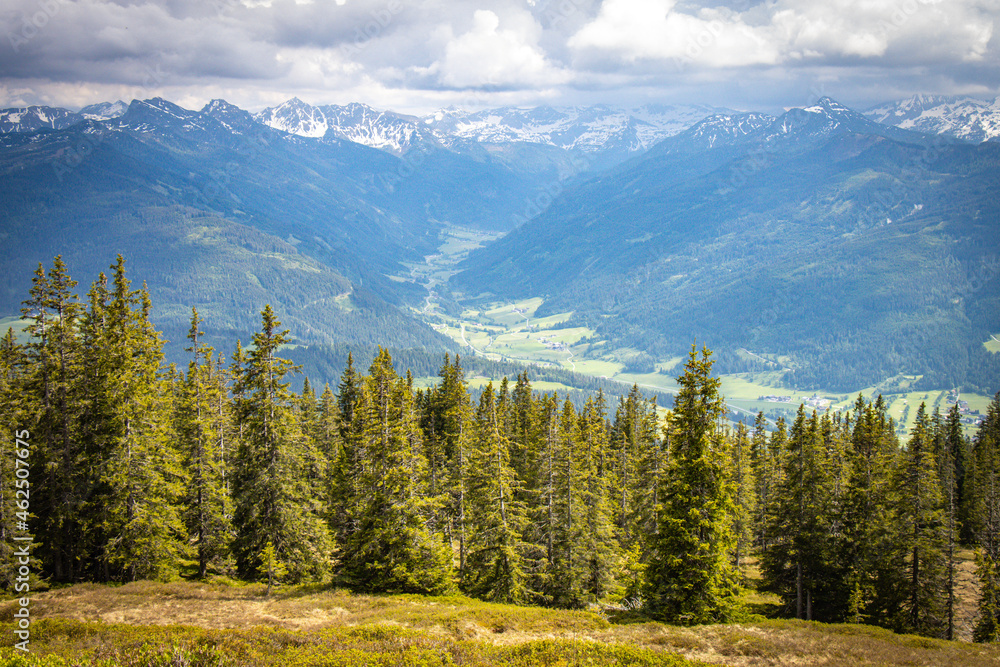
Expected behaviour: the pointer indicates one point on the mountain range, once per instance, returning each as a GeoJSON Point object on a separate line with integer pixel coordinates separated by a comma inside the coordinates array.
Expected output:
{"type": "Point", "coordinates": [961, 117]}
{"type": "Point", "coordinates": [841, 249]}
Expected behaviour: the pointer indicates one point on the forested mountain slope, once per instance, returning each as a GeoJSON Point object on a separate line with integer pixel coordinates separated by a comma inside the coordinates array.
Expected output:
{"type": "Point", "coordinates": [219, 212]}
{"type": "Point", "coordinates": [852, 250]}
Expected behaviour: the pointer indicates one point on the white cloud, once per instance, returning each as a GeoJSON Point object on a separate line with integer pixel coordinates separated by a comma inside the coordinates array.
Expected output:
{"type": "Point", "coordinates": [788, 31]}
{"type": "Point", "coordinates": [636, 30]}
{"type": "Point", "coordinates": [490, 56]}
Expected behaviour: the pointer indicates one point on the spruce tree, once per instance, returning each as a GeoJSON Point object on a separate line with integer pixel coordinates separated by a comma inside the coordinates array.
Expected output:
{"type": "Point", "coordinates": [201, 430]}
{"type": "Point", "coordinates": [763, 462]}
{"type": "Point", "coordinates": [132, 514]}
{"type": "Point", "coordinates": [494, 566]}
{"type": "Point", "coordinates": [54, 356]}
{"type": "Point", "coordinates": [920, 518]}
{"type": "Point", "coordinates": [798, 564]}
{"type": "Point", "coordinates": [985, 512]}
{"type": "Point", "coordinates": [392, 548]}
{"type": "Point", "coordinates": [597, 540]}
{"type": "Point", "coordinates": [690, 577]}
{"type": "Point", "coordinates": [638, 466]}
{"type": "Point", "coordinates": [949, 450]}
{"type": "Point", "coordinates": [744, 496]}
{"type": "Point", "coordinates": [272, 495]}
{"type": "Point", "coordinates": [568, 570]}
{"type": "Point", "coordinates": [869, 554]}
{"type": "Point", "coordinates": [14, 421]}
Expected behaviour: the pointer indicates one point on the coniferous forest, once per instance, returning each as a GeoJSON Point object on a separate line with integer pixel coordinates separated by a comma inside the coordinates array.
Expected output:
{"type": "Point", "coordinates": [139, 468]}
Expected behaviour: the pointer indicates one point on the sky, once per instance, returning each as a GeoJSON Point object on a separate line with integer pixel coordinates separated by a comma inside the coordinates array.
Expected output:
{"type": "Point", "coordinates": [417, 56]}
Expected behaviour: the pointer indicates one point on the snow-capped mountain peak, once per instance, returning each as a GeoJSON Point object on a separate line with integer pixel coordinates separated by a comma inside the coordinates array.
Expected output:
{"type": "Point", "coordinates": [295, 117]}
{"type": "Point", "coordinates": [961, 117]}
{"type": "Point", "coordinates": [385, 130]}
{"type": "Point", "coordinates": [587, 129]}
{"type": "Point", "coordinates": [34, 118]}
{"type": "Point", "coordinates": [104, 110]}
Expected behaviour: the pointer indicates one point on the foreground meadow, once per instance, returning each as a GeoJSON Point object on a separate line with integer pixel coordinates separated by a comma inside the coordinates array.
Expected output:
{"type": "Point", "coordinates": [187, 624]}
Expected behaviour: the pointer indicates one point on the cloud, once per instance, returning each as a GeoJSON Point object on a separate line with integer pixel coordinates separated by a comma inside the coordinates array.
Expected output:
{"type": "Point", "coordinates": [626, 31]}
{"type": "Point", "coordinates": [789, 32]}
{"type": "Point", "coordinates": [417, 54]}
{"type": "Point", "coordinates": [490, 56]}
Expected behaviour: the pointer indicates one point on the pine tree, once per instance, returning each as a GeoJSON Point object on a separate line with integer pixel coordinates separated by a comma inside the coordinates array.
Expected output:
{"type": "Point", "coordinates": [690, 578]}
{"type": "Point", "coordinates": [985, 512]}
{"type": "Point", "coordinates": [494, 569]}
{"type": "Point", "coordinates": [132, 515]}
{"type": "Point", "coordinates": [201, 430]}
{"type": "Point", "coordinates": [920, 519]}
{"type": "Point", "coordinates": [392, 548]}
{"type": "Point", "coordinates": [798, 563]}
{"type": "Point", "coordinates": [54, 357]}
{"type": "Point", "coordinates": [271, 491]}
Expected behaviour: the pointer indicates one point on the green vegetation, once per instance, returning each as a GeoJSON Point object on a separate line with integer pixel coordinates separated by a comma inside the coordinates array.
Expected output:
{"type": "Point", "coordinates": [147, 624]}
{"type": "Point", "coordinates": [518, 496]}
{"type": "Point", "coordinates": [849, 270]}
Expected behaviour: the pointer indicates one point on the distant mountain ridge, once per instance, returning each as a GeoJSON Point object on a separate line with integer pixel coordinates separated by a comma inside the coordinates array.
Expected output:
{"type": "Point", "coordinates": [385, 130]}
{"type": "Point", "coordinates": [852, 249]}
{"type": "Point", "coordinates": [618, 132]}
{"type": "Point", "coordinates": [964, 118]}
{"type": "Point", "coordinates": [587, 129]}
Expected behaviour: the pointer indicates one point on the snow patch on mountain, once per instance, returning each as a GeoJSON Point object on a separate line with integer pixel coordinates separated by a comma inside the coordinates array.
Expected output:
{"type": "Point", "coordinates": [589, 129]}
{"type": "Point", "coordinates": [961, 117]}
{"type": "Point", "coordinates": [385, 130]}
{"type": "Point", "coordinates": [34, 118]}
{"type": "Point", "coordinates": [104, 110]}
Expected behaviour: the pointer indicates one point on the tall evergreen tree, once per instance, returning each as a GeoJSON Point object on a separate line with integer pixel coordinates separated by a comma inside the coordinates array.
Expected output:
{"type": "Point", "coordinates": [568, 573]}
{"type": "Point", "coordinates": [985, 512]}
{"type": "Point", "coordinates": [638, 466]}
{"type": "Point", "coordinates": [798, 564]}
{"type": "Point", "coordinates": [744, 496]}
{"type": "Point", "coordinates": [597, 539]}
{"type": "Point", "coordinates": [764, 464]}
{"type": "Point", "coordinates": [690, 577]}
{"type": "Point", "coordinates": [54, 356]}
{"type": "Point", "coordinates": [271, 491]}
{"type": "Point", "coordinates": [869, 554]}
{"type": "Point", "coordinates": [133, 512]}
{"type": "Point", "coordinates": [392, 548]}
{"type": "Point", "coordinates": [207, 510]}
{"type": "Point", "coordinates": [13, 418]}
{"type": "Point", "coordinates": [494, 567]}
{"type": "Point", "coordinates": [949, 450]}
{"type": "Point", "coordinates": [920, 518]}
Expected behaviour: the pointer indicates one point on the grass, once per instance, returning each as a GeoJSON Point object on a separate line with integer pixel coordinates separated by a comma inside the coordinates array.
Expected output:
{"type": "Point", "coordinates": [199, 624]}
{"type": "Point", "coordinates": [993, 344]}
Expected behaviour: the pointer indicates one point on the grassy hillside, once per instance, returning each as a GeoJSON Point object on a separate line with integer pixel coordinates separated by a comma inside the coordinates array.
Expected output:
{"type": "Point", "coordinates": [200, 624]}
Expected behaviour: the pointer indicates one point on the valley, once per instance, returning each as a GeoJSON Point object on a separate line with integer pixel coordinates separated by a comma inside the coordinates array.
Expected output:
{"type": "Point", "coordinates": [511, 330]}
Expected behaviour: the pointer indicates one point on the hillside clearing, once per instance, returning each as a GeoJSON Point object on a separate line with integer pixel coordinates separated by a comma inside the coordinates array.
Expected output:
{"type": "Point", "coordinates": [346, 628]}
